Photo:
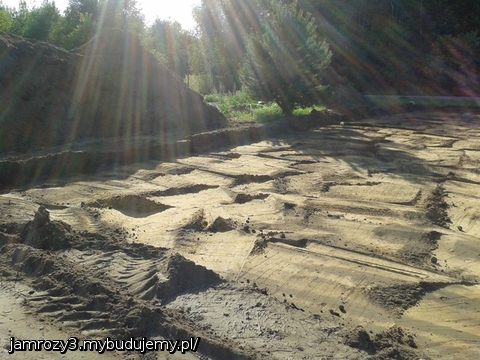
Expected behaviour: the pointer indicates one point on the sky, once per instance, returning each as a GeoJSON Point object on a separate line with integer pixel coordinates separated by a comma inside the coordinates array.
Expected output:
{"type": "Point", "coordinates": [179, 10]}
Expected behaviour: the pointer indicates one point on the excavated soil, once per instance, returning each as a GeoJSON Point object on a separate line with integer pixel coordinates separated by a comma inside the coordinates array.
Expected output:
{"type": "Point", "coordinates": [349, 241]}
{"type": "Point", "coordinates": [110, 87]}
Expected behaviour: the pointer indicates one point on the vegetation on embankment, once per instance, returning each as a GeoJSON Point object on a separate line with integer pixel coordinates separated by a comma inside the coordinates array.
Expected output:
{"type": "Point", "coordinates": [239, 106]}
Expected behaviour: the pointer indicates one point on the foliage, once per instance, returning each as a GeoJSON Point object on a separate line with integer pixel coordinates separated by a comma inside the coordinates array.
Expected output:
{"type": "Point", "coordinates": [381, 47]}
{"type": "Point", "coordinates": [6, 20]}
{"type": "Point", "coordinates": [285, 64]}
{"type": "Point", "coordinates": [201, 83]}
{"type": "Point", "coordinates": [82, 32]}
{"type": "Point", "coordinates": [212, 98]}
{"type": "Point", "coordinates": [41, 21]}
{"type": "Point", "coordinates": [455, 60]}
{"type": "Point", "coordinates": [240, 106]}
{"type": "Point", "coordinates": [20, 18]}
{"type": "Point", "coordinates": [267, 113]}
{"type": "Point", "coordinates": [384, 46]}
{"type": "Point", "coordinates": [454, 17]}
{"type": "Point", "coordinates": [82, 18]}
{"type": "Point", "coordinates": [76, 12]}
{"type": "Point", "coordinates": [170, 43]}
{"type": "Point", "coordinates": [222, 33]}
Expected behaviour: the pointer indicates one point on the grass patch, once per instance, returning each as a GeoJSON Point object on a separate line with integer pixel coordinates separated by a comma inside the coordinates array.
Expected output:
{"type": "Point", "coordinates": [212, 98]}
{"type": "Point", "coordinates": [306, 111]}
{"type": "Point", "coordinates": [267, 112]}
{"type": "Point", "coordinates": [240, 107]}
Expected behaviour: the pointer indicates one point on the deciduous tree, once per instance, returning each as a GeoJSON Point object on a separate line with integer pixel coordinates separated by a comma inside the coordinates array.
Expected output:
{"type": "Point", "coordinates": [285, 63]}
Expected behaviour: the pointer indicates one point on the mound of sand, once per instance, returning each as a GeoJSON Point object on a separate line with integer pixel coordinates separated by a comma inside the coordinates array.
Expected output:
{"type": "Point", "coordinates": [111, 86]}
{"type": "Point", "coordinates": [184, 275]}
{"type": "Point", "coordinates": [221, 225]}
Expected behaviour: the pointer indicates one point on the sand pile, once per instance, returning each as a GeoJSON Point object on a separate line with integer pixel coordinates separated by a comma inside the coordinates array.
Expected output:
{"type": "Point", "coordinates": [111, 86]}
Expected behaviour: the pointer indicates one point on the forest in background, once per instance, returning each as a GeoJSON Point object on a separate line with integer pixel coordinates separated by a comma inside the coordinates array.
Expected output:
{"type": "Point", "coordinates": [413, 47]}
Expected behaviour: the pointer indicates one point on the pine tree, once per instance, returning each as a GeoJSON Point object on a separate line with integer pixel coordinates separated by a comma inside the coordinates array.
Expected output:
{"type": "Point", "coordinates": [285, 64]}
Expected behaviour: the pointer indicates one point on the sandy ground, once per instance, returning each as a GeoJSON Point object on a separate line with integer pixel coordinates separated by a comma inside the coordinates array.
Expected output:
{"type": "Point", "coordinates": [343, 242]}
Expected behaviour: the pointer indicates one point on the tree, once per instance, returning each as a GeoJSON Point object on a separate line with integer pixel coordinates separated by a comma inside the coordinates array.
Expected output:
{"type": "Point", "coordinates": [6, 20]}
{"type": "Point", "coordinates": [123, 14]}
{"type": "Point", "coordinates": [170, 44]}
{"type": "Point", "coordinates": [20, 18]}
{"type": "Point", "coordinates": [78, 8]}
{"type": "Point", "coordinates": [455, 63]}
{"type": "Point", "coordinates": [285, 63]}
{"type": "Point", "coordinates": [82, 32]}
{"type": "Point", "coordinates": [223, 27]}
{"type": "Point", "coordinates": [215, 44]}
{"type": "Point", "coordinates": [41, 21]}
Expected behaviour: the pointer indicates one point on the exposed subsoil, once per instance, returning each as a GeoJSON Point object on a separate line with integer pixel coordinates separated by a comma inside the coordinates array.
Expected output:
{"type": "Point", "coordinates": [110, 87]}
{"type": "Point", "coordinates": [351, 241]}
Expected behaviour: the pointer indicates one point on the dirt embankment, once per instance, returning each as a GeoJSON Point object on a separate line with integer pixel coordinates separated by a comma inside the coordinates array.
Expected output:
{"type": "Point", "coordinates": [108, 154]}
{"type": "Point", "coordinates": [111, 86]}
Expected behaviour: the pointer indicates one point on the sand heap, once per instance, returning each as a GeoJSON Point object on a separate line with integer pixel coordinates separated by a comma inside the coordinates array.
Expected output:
{"type": "Point", "coordinates": [111, 86]}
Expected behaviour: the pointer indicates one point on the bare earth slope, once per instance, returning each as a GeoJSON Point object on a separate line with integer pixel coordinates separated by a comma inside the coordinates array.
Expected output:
{"type": "Point", "coordinates": [111, 86]}
{"type": "Point", "coordinates": [348, 242]}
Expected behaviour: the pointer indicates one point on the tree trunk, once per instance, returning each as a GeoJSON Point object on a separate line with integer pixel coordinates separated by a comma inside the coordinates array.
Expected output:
{"type": "Point", "coordinates": [287, 108]}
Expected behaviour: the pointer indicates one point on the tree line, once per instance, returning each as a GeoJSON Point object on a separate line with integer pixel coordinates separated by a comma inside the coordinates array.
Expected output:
{"type": "Point", "coordinates": [79, 22]}
{"type": "Point", "coordinates": [382, 46]}
{"type": "Point", "coordinates": [403, 46]}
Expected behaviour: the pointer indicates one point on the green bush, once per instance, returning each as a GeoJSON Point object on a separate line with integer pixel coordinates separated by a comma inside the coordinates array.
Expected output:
{"type": "Point", "coordinates": [212, 97]}
{"type": "Point", "coordinates": [266, 113]}
{"type": "Point", "coordinates": [202, 84]}
{"type": "Point", "coordinates": [240, 106]}
{"type": "Point", "coordinates": [5, 21]}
